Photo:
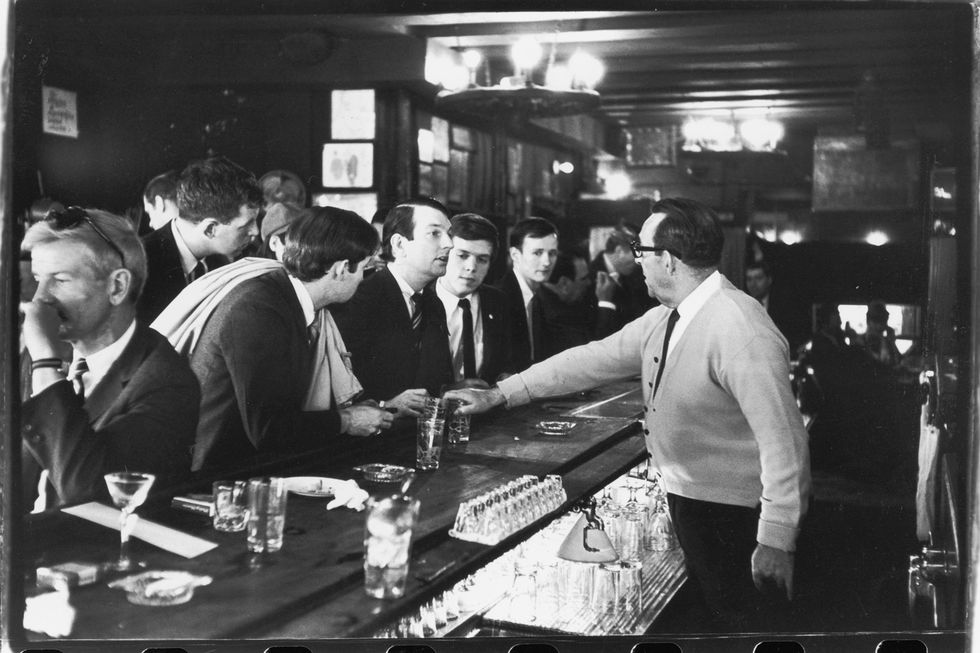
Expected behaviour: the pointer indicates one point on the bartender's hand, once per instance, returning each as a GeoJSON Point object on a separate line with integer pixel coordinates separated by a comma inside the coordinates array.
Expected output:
{"type": "Point", "coordinates": [365, 419]}
{"type": "Point", "coordinates": [477, 401]}
{"type": "Point", "coordinates": [40, 330]}
{"type": "Point", "coordinates": [771, 565]}
{"type": "Point", "coordinates": [409, 403]}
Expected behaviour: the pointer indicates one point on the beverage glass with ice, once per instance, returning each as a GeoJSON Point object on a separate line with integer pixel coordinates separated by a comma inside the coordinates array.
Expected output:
{"type": "Point", "coordinates": [266, 514]}
{"type": "Point", "coordinates": [230, 508]}
{"type": "Point", "coordinates": [387, 544]}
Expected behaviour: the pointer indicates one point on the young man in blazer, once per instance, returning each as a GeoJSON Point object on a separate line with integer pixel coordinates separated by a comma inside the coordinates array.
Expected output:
{"type": "Point", "coordinates": [395, 325]}
{"type": "Point", "coordinates": [128, 400]}
{"type": "Point", "coordinates": [218, 203]}
{"type": "Point", "coordinates": [478, 342]}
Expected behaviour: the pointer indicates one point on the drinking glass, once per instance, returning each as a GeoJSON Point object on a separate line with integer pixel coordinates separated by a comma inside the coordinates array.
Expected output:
{"type": "Point", "coordinates": [387, 544]}
{"type": "Point", "coordinates": [431, 429]}
{"type": "Point", "coordinates": [604, 600]}
{"type": "Point", "coordinates": [128, 491]}
{"type": "Point", "coordinates": [630, 529]}
{"type": "Point", "coordinates": [575, 586]}
{"type": "Point", "coordinates": [459, 424]}
{"type": "Point", "coordinates": [266, 514]}
{"type": "Point", "coordinates": [230, 508]}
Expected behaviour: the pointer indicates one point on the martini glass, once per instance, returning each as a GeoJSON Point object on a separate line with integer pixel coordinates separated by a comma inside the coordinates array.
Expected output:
{"type": "Point", "coordinates": [128, 491]}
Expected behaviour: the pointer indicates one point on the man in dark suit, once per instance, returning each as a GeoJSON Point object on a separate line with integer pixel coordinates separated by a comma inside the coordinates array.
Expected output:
{"type": "Point", "coordinates": [790, 318]}
{"type": "Point", "coordinates": [619, 286]}
{"type": "Point", "coordinates": [395, 325]}
{"type": "Point", "coordinates": [218, 203]}
{"type": "Point", "coordinates": [160, 199]}
{"type": "Point", "coordinates": [128, 401]}
{"type": "Point", "coordinates": [255, 354]}
{"type": "Point", "coordinates": [478, 341]}
{"type": "Point", "coordinates": [533, 252]}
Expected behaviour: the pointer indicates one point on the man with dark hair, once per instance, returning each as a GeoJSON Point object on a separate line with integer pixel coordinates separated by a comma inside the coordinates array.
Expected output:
{"type": "Point", "coordinates": [395, 325]}
{"type": "Point", "coordinates": [476, 315]}
{"type": "Point", "coordinates": [789, 318]}
{"type": "Point", "coordinates": [218, 203]}
{"type": "Point", "coordinates": [255, 354]}
{"type": "Point", "coordinates": [721, 422]}
{"type": "Point", "coordinates": [160, 199]}
{"type": "Point", "coordinates": [128, 401]}
{"type": "Point", "coordinates": [533, 252]}
{"type": "Point", "coordinates": [620, 290]}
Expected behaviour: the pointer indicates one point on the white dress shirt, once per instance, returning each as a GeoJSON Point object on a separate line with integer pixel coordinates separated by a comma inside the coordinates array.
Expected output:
{"type": "Point", "coordinates": [692, 304]}
{"type": "Point", "coordinates": [454, 321]}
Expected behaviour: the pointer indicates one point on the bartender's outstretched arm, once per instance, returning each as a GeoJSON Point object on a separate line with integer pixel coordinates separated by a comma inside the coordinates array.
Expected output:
{"type": "Point", "coordinates": [477, 401]}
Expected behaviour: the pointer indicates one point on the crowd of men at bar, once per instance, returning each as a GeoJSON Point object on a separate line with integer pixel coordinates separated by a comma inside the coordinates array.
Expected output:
{"type": "Point", "coordinates": [242, 327]}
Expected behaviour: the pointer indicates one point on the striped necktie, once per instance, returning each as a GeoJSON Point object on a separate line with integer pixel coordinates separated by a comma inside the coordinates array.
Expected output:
{"type": "Point", "coordinates": [78, 368]}
{"type": "Point", "coordinates": [417, 313]}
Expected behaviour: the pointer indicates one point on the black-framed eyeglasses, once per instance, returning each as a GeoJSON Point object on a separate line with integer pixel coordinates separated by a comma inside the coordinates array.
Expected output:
{"type": "Point", "coordinates": [638, 249]}
{"type": "Point", "coordinates": [74, 216]}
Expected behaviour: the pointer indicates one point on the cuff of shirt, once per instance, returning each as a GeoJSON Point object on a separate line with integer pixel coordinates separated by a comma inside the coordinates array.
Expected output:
{"type": "Point", "coordinates": [778, 536]}
{"type": "Point", "coordinates": [605, 304]}
{"type": "Point", "coordinates": [514, 390]}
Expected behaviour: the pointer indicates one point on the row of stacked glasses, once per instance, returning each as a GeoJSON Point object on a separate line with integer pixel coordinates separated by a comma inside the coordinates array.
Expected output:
{"type": "Point", "coordinates": [641, 522]}
{"type": "Point", "coordinates": [494, 515]}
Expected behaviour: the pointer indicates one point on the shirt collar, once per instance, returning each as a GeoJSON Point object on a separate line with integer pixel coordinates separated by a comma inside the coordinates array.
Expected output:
{"type": "Point", "coordinates": [694, 301]}
{"type": "Point", "coordinates": [305, 301]}
{"type": "Point", "coordinates": [451, 301]}
{"type": "Point", "coordinates": [406, 289]}
{"type": "Point", "coordinates": [187, 259]}
{"type": "Point", "coordinates": [526, 291]}
{"type": "Point", "coordinates": [100, 362]}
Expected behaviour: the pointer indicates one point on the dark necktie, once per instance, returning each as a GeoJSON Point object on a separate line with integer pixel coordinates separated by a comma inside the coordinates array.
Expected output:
{"type": "Point", "coordinates": [536, 327]}
{"type": "Point", "coordinates": [671, 321]}
{"type": "Point", "coordinates": [78, 368]}
{"type": "Point", "coordinates": [199, 271]}
{"type": "Point", "coordinates": [469, 354]}
{"type": "Point", "coordinates": [417, 314]}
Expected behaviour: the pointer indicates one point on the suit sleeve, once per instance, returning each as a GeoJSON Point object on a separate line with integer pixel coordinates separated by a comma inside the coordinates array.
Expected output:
{"type": "Point", "coordinates": [152, 432]}
{"type": "Point", "coordinates": [259, 350]}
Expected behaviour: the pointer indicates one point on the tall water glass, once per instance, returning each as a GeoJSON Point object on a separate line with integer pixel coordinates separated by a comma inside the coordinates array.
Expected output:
{"type": "Point", "coordinates": [387, 544]}
{"type": "Point", "coordinates": [266, 514]}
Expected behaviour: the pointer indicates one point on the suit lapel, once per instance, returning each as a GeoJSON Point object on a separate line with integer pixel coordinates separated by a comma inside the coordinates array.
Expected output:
{"type": "Point", "coordinates": [100, 401]}
{"type": "Point", "coordinates": [391, 295]}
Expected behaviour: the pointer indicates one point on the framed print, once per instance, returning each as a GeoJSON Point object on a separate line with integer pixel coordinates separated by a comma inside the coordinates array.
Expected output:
{"type": "Point", "coordinates": [459, 176]}
{"type": "Point", "coordinates": [651, 146]}
{"type": "Point", "coordinates": [352, 115]}
{"type": "Point", "coordinates": [440, 139]}
{"type": "Point", "coordinates": [363, 204]}
{"type": "Point", "coordinates": [348, 165]}
{"type": "Point", "coordinates": [440, 182]}
{"type": "Point", "coordinates": [426, 143]}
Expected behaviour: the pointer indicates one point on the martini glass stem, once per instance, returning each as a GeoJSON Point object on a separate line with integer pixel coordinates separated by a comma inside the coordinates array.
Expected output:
{"type": "Point", "coordinates": [125, 528]}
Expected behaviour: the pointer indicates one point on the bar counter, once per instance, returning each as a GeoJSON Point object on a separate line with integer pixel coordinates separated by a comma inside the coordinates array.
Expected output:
{"type": "Point", "coordinates": [313, 587]}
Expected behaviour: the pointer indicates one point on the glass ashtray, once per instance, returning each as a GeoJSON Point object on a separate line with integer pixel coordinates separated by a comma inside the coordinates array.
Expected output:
{"type": "Point", "coordinates": [555, 427]}
{"type": "Point", "coordinates": [382, 473]}
{"type": "Point", "coordinates": [160, 588]}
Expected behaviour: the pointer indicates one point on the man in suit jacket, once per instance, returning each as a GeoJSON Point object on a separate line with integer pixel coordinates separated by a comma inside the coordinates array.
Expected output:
{"type": "Point", "coordinates": [533, 252]}
{"type": "Point", "coordinates": [461, 290]}
{"type": "Point", "coordinates": [218, 203]}
{"type": "Point", "coordinates": [254, 356]}
{"type": "Point", "coordinates": [160, 199]}
{"type": "Point", "coordinates": [789, 316]}
{"type": "Point", "coordinates": [132, 401]}
{"type": "Point", "coordinates": [395, 325]}
{"type": "Point", "coordinates": [620, 290]}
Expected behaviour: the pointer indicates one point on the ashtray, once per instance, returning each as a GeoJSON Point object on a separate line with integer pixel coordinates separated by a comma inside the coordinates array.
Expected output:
{"type": "Point", "coordinates": [160, 588]}
{"type": "Point", "coordinates": [555, 427]}
{"type": "Point", "coordinates": [382, 473]}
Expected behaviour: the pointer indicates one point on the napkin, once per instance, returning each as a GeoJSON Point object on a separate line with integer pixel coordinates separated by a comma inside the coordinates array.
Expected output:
{"type": "Point", "coordinates": [158, 535]}
{"type": "Point", "coordinates": [49, 613]}
{"type": "Point", "coordinates": [348, 494]}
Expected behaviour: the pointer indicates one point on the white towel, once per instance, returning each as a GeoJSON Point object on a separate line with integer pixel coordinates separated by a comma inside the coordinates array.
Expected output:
{"type": "Point", "coordinates": [332, 380]}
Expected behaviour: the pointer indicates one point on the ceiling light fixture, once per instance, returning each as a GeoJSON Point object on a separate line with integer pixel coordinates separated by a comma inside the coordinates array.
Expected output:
{"type": "Point", "coordinates": [557, 90]}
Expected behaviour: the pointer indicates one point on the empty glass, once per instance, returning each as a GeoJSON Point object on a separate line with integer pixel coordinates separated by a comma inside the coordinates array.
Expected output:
{"type": "Point", "coordinates": [266, 514]}
{"type": "Point", "coordinates": [128, 491]}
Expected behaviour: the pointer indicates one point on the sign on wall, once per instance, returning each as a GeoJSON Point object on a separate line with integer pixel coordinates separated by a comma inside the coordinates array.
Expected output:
{"type": "Point", "coordinates": [60, 112]}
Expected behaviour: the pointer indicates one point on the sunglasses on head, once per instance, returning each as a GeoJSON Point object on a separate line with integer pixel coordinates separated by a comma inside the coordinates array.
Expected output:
{"type": "Point", "coordinates": [75, 215]}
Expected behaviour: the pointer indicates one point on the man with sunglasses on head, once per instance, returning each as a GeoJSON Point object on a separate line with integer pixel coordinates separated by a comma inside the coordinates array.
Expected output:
{"type": "Point", "coordinates": [721, 422]}
{"type": "Point", "coordinates": [218, 204]}
{"type": "Point", "coordinates": [125, 400]}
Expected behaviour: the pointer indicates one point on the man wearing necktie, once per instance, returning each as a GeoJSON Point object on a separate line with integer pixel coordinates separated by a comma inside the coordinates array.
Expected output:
{"type": "Point", "coordinates": [533, 252]}
{"type": "Point", "coordinates": [395, 325]}
{"type": "Point", "coordinates": [721, 421]}
{"type": "Point", "coordinates": [476, 314]}
{"type": "Point", "coordinates": [128, 400]}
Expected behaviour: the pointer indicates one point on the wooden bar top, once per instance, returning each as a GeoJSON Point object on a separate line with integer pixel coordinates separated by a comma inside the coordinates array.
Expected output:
{"type": "Point", "coordinates": [313, 587]}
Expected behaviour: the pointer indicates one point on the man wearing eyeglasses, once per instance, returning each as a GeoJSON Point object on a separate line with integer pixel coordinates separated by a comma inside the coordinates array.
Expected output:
{"type": "Point", "coordinates": [218, 203]}
{"type": "Point", "coordinates": [127, 401]}
{"type": "Point", "coordinates": [721, 422]}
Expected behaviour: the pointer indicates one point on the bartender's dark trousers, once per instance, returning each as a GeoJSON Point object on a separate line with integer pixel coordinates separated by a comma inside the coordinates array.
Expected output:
{"type": "Point", "coordinates": [718, 541]}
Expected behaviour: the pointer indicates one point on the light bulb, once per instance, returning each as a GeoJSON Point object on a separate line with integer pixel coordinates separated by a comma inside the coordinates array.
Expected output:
{"type": "Point", "coordinates": [526, 53]}
{"type": "Point", "coordinates": [587, 69]}
{"type": "Point", "coordinates": [472, 59]}
{"type": "Point", "coordinates": [618, 185]}
{"type": "Point", "coordinates": [876, 238]}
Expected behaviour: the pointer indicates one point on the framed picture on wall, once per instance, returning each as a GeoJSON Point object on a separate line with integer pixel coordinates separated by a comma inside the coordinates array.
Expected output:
{"type": "Point", "coordinates": [651, 146]}
{"type": "Point", "coordinates": [348, 165]}
{"type": "Point", "coordinates": [425, 179]}
{"type": "Point", "coordinates": [462, 138]}
{"type": "Point", "coordinates": [440, 182]}
{"type": "Point", "coordinates": [459, 176]}
{"type": "Point", "coordinates": [352, 114]}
